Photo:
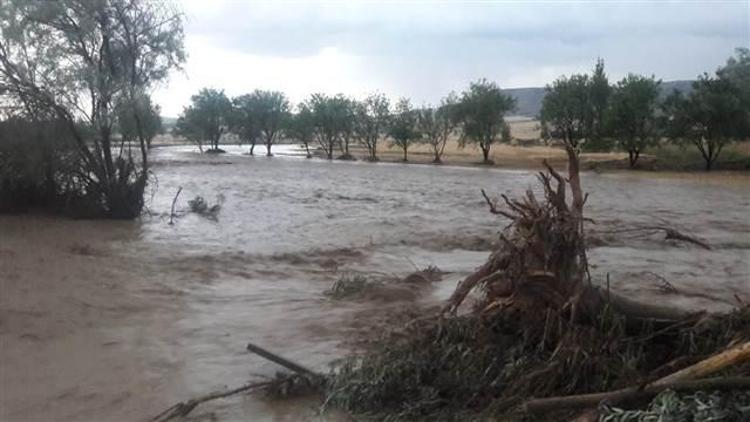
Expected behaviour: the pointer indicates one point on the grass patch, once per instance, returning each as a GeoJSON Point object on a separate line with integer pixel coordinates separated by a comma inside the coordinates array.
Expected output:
{"type": "Point", "coordinates": [349, 285]}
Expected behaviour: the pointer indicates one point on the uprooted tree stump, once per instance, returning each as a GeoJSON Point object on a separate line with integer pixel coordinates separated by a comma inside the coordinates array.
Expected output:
{"type": "Point", "coordinates": [541, 260]}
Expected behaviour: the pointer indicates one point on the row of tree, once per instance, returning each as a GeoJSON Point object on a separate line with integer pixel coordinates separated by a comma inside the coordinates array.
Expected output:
{"type": "Point", "coordinates": [337, 122]}
{"type": "Point", "coordinates": [631, 116]}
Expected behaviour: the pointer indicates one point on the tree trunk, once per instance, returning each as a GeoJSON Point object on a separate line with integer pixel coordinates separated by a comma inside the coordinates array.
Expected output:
{"type": "Point", "coordinates": [252, 147]}
{"type": "Point", "coordinates": [268, 149]}
{"type": "Point", "coordinates": [405, 152]}
{"type": "Point", "coordinates": [486, 153]}
{"type": "Point", "coordinates": [709, 163]}
{"type": "Point", "coordinates": [633, 155]}
{"type": "Point", "coordinates": [307, 149]}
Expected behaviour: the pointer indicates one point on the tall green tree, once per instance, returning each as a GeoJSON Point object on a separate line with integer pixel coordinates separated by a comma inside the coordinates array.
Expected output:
{"type": "Point", "coordinates": [244, 120]}
{"type": "Point", "coordinates": [207, 118]}
{"type": "Point", "coordinates": [332, 116]}
{"type": "Point", "coordinates": [270, 109]}
{"type": "Point", "coordinates": [301, 127]}
{"type": "Point", "coordinates": [77, 60]}
{"type": "Point", "coordinates": [712, 116]}
{"type": "Point", "coordinates": [370, 122]}
{"type": "Point", "coordinates": [632, 115]}
{"type": "Point", "coordinates": [402, 129]}
{"type": "Point", "coordinates": [437, 124]}
{"type": "Point", "coordinates": [481, 113]}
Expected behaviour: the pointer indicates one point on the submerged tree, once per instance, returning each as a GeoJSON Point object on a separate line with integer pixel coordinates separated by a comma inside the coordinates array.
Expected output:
{"type": "Point", "coordinates": [269, 110]}
{"type": "Point", "coordinates": [244, 120]}
{"type": "Point", "coordinates": [632, 115]}
{"type": "Point", "coordinates": [481, 114]}
{"type": "Point", "coordinates": [331, 117]}
{"type": "Point", "coordinates": [403, 126]}
{"type": "Point", "coordinates": [437, 124]}
{"type": "Point", "coordinates": [301, 127]}
{"type": "Point", "coordinates": [370, 122]}
{"type": "Point", "coordinates": [77, 61]}
{"type": "Point", "coordinates": [207, 118]}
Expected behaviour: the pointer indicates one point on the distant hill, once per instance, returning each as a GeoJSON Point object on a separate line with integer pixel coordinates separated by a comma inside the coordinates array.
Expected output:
{"type": "Point", "coordinates": [529, 100]}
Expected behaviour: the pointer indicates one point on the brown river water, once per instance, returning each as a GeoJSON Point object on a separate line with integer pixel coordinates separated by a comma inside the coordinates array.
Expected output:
{"type": "Point", "coordinates": [116, 321]}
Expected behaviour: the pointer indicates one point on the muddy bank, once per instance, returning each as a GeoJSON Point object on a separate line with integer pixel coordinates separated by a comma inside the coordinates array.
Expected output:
{"type": "Point", "coordinates": [117, 321]}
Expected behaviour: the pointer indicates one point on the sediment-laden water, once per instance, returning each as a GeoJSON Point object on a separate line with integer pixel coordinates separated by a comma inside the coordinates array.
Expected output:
{"type": "Point", "coordinates": [117, 320]}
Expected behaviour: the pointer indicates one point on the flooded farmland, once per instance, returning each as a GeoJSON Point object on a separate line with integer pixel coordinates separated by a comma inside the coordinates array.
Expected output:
{"type": "Point", "coordinates": [107, 320]}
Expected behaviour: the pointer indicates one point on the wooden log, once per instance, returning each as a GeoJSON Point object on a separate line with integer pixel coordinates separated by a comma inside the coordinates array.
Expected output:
{"type": "Point", "coordinates": [727, 358]}
{"type": "Point", "coordinates": [286, 363]}
{"type": "Point", "coordinates": [583, 401]}
{"type": "Point", "coordinates": [682, 379]}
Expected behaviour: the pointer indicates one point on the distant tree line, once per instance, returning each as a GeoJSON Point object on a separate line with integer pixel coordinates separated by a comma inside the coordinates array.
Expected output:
{"type": "Point", "coordinates": [629, 115]}
{"type": "Point", "coordinates": [335, 123]}
{"type": "Point", "coordinates": [582, 110]}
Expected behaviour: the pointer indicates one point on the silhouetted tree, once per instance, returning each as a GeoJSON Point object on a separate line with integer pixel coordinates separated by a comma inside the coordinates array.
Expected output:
{"type": "Point", "coordinates": [481, 113]}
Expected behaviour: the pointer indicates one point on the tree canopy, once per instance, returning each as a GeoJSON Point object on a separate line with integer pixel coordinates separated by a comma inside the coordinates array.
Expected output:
{"type": "Point", "coordinates": [207, 118]}
{"type": "Point", "coordinates": [481, 113]}
{"type": "Point", "coordinates": [76, 61]}
{"type": "Point", "coordinates": [632, 115]}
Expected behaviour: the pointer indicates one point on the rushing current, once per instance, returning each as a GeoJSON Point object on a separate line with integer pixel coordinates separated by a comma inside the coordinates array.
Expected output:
{"type": "Point", "coordinates": [118, 320]}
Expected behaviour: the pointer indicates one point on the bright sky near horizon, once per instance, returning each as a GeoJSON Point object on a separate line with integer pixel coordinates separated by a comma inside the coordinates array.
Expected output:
{"type": "Point", "coordinates": [425, 49]}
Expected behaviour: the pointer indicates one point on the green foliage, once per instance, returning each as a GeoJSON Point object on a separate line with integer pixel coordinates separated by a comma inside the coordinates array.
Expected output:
{"type": "Point", "coordinates": [733, 406]}
{"type": "Point", "coordinates": [260, 115]}
{"type": "Point", "coordinates": [206, 118]}
{"type": "Point", "coordinates": [481, 113]}
{"type": "Point", "coordinates": [370, 121]}
{"type": "Point", "coordinates": [712, 116]}
{"type": "Point", "coordinates": [632, 115]}
{"type": "Point", "coordinates": [301, 126]}
{"type": "Point", "coordinates": [437, 124]}
{"type": "Point", "coordinates": [333, 118]}
{"type": "Point", "coordinates": [348, 285]}
{"type": "Point", "coordinates": [76, 61]}
{"type": "Point", "coordinates": [479, 367]}
{"type": "Point", "coordinates": [403, 129]}
{"type": "Point", "coordinates": [573, 108]}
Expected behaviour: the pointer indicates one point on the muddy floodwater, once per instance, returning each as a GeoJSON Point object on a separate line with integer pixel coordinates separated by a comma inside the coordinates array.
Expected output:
{"type": "Point", "coordinates": [115, 321]}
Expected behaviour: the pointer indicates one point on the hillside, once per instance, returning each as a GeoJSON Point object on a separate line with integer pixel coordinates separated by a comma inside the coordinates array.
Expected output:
{"type": "Point", "coordinates": [530, 99]}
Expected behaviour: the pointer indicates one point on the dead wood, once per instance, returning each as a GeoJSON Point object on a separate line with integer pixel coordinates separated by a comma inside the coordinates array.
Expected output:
{"type": "Point", "coordinates": [582, 401]}
{"type": "Point", "coordinates": [174, 201]}
{"type": "Point", "coordinates": [286, 363]}
{"type": "Point", "coordinates": [181, 409]}
{"type": "Point", "coordinates": [682, 380]}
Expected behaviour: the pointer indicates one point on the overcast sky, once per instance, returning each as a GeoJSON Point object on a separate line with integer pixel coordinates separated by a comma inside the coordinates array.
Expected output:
{"type": "Point", "coordinates": [424, 49]}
